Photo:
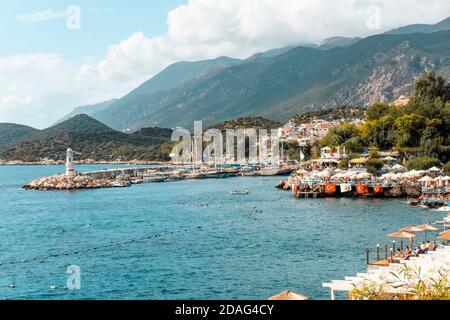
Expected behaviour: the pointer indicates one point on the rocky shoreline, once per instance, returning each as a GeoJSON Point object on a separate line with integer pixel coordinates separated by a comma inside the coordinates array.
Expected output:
{"type": "Point", "coordinates": [284, 185]}
{"type": "Point", "coordinates": [63, 182]}
{"type": "Point", "coordinates": [52, 163]}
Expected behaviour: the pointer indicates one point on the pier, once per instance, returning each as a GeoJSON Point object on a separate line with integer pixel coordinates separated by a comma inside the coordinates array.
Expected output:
{"type": "Point", "coordinates": [422, 188]}
{"type": "Point", "coordinates": [125, 177]}
{"type": "Point", "coordinates": [339, 190]}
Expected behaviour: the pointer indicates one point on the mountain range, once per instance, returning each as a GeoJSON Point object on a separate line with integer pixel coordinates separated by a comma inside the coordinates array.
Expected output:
{"type": "Point", "coordinates": [422, 28]}
{"type": "Point", "coordinates": [88, 110]}
{"type": "Point", "coordinates": [95, 141]}
{"type": "Point", "coordinates": [283, 82]}
{"type": "Point", "coordinates": [88, 137]}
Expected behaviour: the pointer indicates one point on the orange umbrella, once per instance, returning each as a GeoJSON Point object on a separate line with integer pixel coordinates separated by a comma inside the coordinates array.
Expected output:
{"type": "Point", "coordinates": [411, 229]}
{"type": "Point", "coordinates": [445, 237]}
{"type": "Point", "coordinates": [427, 227]}
{"type": "Point", "coordinates": [444, 232]}
{"type": "Point", "coordinates": [289, 295]}
{"type": "Point", "coordinates": [403, 235]}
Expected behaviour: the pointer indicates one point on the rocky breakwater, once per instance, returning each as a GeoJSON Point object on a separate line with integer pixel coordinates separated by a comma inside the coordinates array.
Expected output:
{"type": "Point", "coordinates": [63, 182]}
{"type": "Point", "coordinates": [284, 185]}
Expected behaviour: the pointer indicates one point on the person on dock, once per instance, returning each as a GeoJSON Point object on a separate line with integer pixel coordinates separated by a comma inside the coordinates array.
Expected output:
{"type": "Point", "coordinates": [399, 254]}
{"type": "Point", "coordinates": [418, 251]}
{"type": "Point", "coordinates": [408, 252]}
{"type": "Point", "coordinates": [423, 246]}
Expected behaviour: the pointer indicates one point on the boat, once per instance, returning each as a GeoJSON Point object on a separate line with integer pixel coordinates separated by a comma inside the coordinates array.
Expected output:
{"type": "Point", "coordinates": [249, 174]}
{"type": "Point", "coordinates": [269, 171]}
{"type": "Point", "coordinates": [413, 202]}
{"type": "Point", "coordinates": [240, 193]}
{"type": "Point", "coordinates": [150, 178]}
{"type": "Point", "coordinates": [443, 209]}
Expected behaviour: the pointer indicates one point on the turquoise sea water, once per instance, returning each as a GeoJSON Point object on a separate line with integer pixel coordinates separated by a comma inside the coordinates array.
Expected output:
{"type": "Point", "coordinates": [184, 240]}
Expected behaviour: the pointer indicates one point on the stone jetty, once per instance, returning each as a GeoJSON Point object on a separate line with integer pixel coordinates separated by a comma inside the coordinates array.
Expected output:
{"type": "Point", "coordinates": [64, 182]}
{"type": "Point", "coordinates": [284, 185]}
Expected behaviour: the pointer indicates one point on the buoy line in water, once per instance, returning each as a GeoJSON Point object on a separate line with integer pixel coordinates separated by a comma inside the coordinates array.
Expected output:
{"type": "Point", "coordinates": [116, 244]}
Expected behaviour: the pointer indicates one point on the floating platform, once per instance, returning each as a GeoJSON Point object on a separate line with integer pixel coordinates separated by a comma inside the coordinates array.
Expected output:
{"type": "Point", "coordinates": [366, 191]}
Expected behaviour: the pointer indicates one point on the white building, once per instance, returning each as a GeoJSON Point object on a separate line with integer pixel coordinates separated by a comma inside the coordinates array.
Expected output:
{"type": "Point", "coordinates": [69, 163]}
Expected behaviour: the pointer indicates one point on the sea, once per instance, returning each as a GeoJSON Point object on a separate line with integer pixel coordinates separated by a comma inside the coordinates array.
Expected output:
{"type": "Point", "coordinates": [185, 240]}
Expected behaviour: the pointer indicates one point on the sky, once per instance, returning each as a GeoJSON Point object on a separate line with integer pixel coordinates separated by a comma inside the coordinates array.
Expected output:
{"type": "Point", "coordinates": [58, 54]}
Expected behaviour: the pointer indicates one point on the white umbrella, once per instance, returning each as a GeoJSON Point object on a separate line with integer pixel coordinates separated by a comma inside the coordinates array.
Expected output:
{"type": "Point", "coordinates": [426, 179]}
{"type": "Point", "coordinates": [413, 173]}
{"type": "Point", "coordinates": [389, 159]}
{"type": "Point", "coordinates": [326, 173]}
{"type": "Point", "coordinates": [339, 176]}
{"type": "Point", "coordinates": [446, 178]}
{"type": "Point", "coordinates": [440, 181]}
{"type": "Point", "coordinates": [397, 176]}
{"type": "Point", "coordinates": [434, 169]}
{"type": "Point", "coordinates": [399, 167]}
{"type": "Point", "coordinates": [364, 175]}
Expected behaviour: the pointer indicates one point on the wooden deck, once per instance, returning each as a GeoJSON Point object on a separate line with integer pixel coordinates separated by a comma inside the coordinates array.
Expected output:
{"type": "Point", "coordinates": [380, 263]}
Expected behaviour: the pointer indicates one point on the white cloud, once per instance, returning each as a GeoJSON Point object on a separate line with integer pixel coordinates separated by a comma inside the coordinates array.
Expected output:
{"type": "Point", "coordinates": [40, 16]}
{"type": "Point", "coordinates": [41, 62]}
{"type": "Point", "coordinates": [238, 28]}
{"type": "Point", "coordinates": [39, 88]}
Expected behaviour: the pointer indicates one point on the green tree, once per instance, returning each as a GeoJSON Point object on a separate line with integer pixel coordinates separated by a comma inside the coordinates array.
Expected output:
{"type": "Point", "coordinates": [373, 153]}
{"type": "Point", "coordinates": [343, 164]}
{"type": "Point", "coordinates": [374, 166]}
{"type": "Point", "coordinates": [422, 163]}
{"type": "Point", "coordinates": [377, 110]}
{"type": "Point", "coordinates": [340, 134]}
{"type": "Point", "coordinates": [409, 128]}
{"type": "Point", "coordinates": [432, 86]}
{"type": "Point", "coordinates": [380, 133]}
{"type": "Point", "coordinates": [354, 144]}
{"type": "Point", "coordinates": [446, 168]}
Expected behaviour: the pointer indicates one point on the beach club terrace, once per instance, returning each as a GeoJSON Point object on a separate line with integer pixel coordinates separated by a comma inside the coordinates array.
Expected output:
{"type": "Point", "coordinates": [429, 188]}
{"type": "Point", "coordinates": [403, 269]}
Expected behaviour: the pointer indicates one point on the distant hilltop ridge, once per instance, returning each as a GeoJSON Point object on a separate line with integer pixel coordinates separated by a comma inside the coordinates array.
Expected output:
{"type": "Point", "coordinates": [423, 28]}
{"type": "Point", "coordinates": [90, 138]}
{"type": "Point", "coordinates": [284, 82]}
{"type": "Point", "coordinates": [95, 142]}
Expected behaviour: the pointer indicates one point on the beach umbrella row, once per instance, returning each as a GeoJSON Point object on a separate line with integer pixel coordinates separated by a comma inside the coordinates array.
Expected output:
{"type": "Point", "coordinates": [407, 232]}
{"type": "Point", "coordinates": [398, 168]}
{"type": "Point", "coordinates": [434, 169]}
{"type": "Point", "coordinates": [288, 295]}
{"type": "Point", "coordinates": [445, 236]}
{"type": "Point", "coordinates": [403, 235]}
{"type": "Point", "coordinates": [427, 227]}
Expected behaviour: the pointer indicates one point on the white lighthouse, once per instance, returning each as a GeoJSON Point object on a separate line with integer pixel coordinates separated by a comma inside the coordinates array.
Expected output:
{"type": "Point", "coordinates": [69, 163]}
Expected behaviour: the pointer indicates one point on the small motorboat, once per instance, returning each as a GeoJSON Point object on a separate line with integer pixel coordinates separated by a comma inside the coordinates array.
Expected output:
{"type": "Point", "coordinates": [414, 202]}
{"type": "Point", "coordinates": [240, 193]}
{"type": "Point", "coordinates": [152, 178]}
{"type": "Point", "coordinates": [269, 171]}
{"type": "Point", "coordinates": [443, 209]}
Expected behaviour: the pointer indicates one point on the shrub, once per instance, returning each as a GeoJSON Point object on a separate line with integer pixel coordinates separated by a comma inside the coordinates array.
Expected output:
{"type": "Point", "coordinates": [446, 168]}
{"type": "Point", "coordinates": [374, 165]}
{"type": "Point", "coordinates": [373, 153]}
{"type": "Point", "coordinates": [343, 164]}
{"type": "Point", "coordinates": [422, 163]}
